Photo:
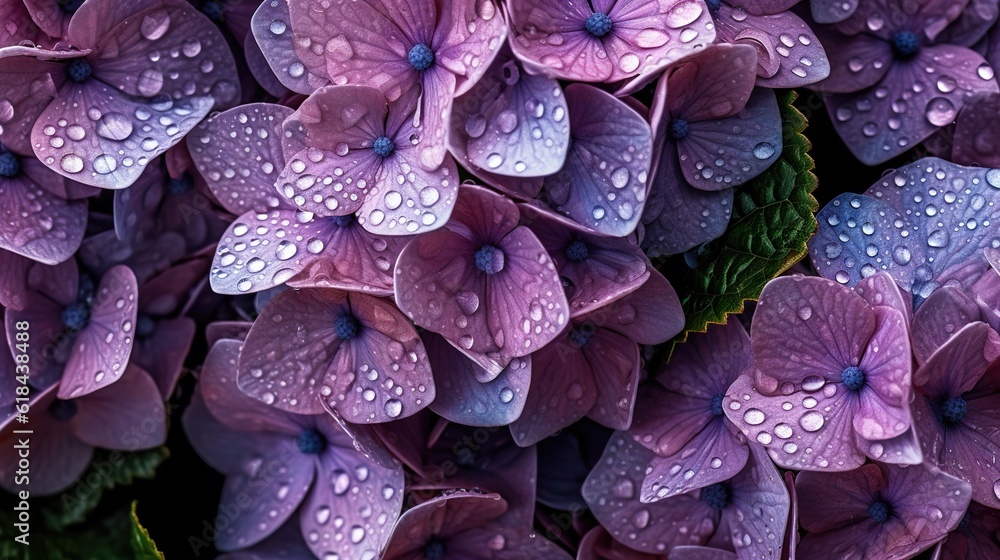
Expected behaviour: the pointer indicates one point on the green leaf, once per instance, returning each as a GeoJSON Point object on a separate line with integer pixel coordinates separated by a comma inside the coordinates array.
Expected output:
{"type": "Point", "coordinates": [773, 218]}
{"type": "Point", "coordinates": [142, 544]}
{"type": "Point", "coordinates": [107, 470]}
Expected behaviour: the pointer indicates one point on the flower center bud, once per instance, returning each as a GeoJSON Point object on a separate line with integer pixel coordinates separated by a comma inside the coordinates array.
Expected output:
{"type": "Point", "coordinates": [347, 327]}
{"type": "Point", "coordinates": [343, 221]}
{"type": "Point", "coordinates": [598, 25]}
{"type": "Point", "coordinates": [421, 57]}
{"type": "Point", "coordinates": [62, 410]}
{"type": "Point", "coordinates": [144, 326]}
{"type": "Point", "coordinates": [879, 511]}
{"type": "Point", "coordinates": [714, 5]}
{"type": "Point", "coordinates": [76, 316]}
{"type": "Point", "coordinates": [311, 442]}
{"type": "Point", "coordinates": [434, 549]}
{"type": "Point", "coordinates": [69, 6]}
{"type": "Point", "coordinates": [183, 185]}
{"type": "Point", "coordinates": [853, 378]}
{"type": "Point", "coordinates": [716, 496]}
{"type": "Point", "coordinates": [78, 70]}
{"type": "Point", "coordinates": [213, 10]}
{"type": "Point", "coordinates": [679, 129]}
{"type": "Point", "coordinates": [577, 251]}
{"type": "Point", "coordinates": [489, 259]}
{"type": "Point", "coordinates": [581, 335]}
{"type": "Point", "coordinates": [383, 146]}
{"type": "Point", "coordinates": [905, 44]}
{"type": "Point", "coordinates": [953, 410]}
{"type": "Point", "coordinates": [717, 405]}
{"type": "Point", "coordinates": [9, 165]}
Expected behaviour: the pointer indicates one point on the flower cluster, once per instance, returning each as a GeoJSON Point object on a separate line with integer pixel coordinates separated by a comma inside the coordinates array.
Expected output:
{"type": "Point", "coordinates": [419, 273]}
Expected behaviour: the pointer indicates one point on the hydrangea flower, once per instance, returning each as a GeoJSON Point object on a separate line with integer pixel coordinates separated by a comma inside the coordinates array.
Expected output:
{"type": "Point", "coordinates": [286, 543]}
{"type": "Point", "coordinates": [444, 47]}
{"type": "Point", "coordinates": [99, 115]}
{"type": "Point", "coordinates": [356, 352]}
{"type": "Point", "coordinates": [927, 224]}
{"type": "Point", "coordinates": [956, 394]}
{"type": "Point", "coordinates": [278, 464]}
{"type": "Point", "coordinates": [597, 544]}
{"type": "Point", "coordinates": [607, 40]}
{"type": "Point", "coordinates": [461, 525]}
{"type": "Point", "coordinates": [712, 131]}
{"type": "Point", "coordinates": [483, 282]}
{"type": "Point", "coordinates": [746, 513]}
{"type": "Point", "coordinates": [898, 74]}
{"type": "Point", "coordinates": [593, 367]}
{"type": "Point", "coordinates": [973, 141]}
{"type": "Point", "coordinates": [240, 154]}
{"type": "Point", "coordinates": [18, 27]}
{"type": "Point", "coordinates": [361, 156]}
{"type": "Point", "coordinates": [788, 53]}
{"type": "Point", "coordinates": [681, 418]}
{"type": "Point", "coordinates": [88, 330]}
{"type": "Point", "coordinates": [66, 430]}
{"type": "Point", "coordinates": [878, 511]}
{"type": "Point", "coordinates": [975, 536]}
{"type": "Point", "coordinates": [832, 378]}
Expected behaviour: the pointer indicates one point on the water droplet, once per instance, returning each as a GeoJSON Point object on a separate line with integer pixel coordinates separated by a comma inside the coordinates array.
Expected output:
{"type": "Point", "coordinates": [938, 238]}
{"type": "Point", "coordinates": [811, 421]}
{"type": "Point", "coordinates": [71, 163]}
{"type": "Point", "coordinates": [340, 481]}
{"type": "Point", "coordinates": [155, 25]}
{"type": "Point", "coordinates": [763, 150]}
{"type": "Point", "coordinates": [940, 111]}
{"type": "Point", "coordinates": [620, 177]}
{"type": "Point", "coordinates": [393, 408]}
{"type": "Point", "coordinates": [506, 395]}
{"type": "Point", "coordinates": [753, 417]}
{"type": "Point", "coordinates": [114, 126]}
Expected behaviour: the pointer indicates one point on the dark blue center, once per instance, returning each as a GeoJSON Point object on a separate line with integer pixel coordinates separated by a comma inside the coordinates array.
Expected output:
{"type": "Point", "coordinates": [85, 289]}
{"type": "Point", "coordinates": [905, 44]}
{"type": "Point", "coordinates": [421, 57]}
{"type": "Point", "coordinates": [679, 129]}
{"type": "Point", "coordinates": [76, 316]}
{"type": "Point", "coordinates": [62, 410]}
{"type": "Point", "coordinates": [182, 185]}
{"type": "Point", "coordinates": [383, 146]}
{"type": "Point", "coordinates": [714, 5]}
{"type": "Point", "coordinates": [577, 251]}
{"type": "Point", "coordinates": [598, 25]}
{"type": "Point", "coordinates": [347, 327]}
{"type": "Point", "coordinates": [9, 166]}
{"type": "Point", "coordinates": [69, 6]}
{"type": "Point", "coordinates": [716, 496]}
{"type": "Point", "coordinates": [853, 378]}
{"type": "Point", "coordinates": [489, 259]}
{"type": "Point", "coordinates": [966, 519]}
{"type": "Point", "coordinates": [879, 511]}
{"type": "Point", "coordinates": [343, 221]}
{"type": "Point", "coordinates": [311, 442]}
{"type": "Point", "coordinates": [717, 405]}
{"type": "Point", "coordinates": [434, 549]}
{"type": "Point", "coordinates": [953, 410]}
{"type": "Point", "coordinates": [78, 70]}
{"type": "Point", "coordinates": [581, 335]}
{"type": "Point", "coordinates": [213, 10]}
{"type": "Point", "coordinates": [144, 326]}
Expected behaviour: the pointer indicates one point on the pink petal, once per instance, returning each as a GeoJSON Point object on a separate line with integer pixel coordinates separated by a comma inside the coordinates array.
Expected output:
{"type": "Point", "coordinates": [859, 61]}
{"type": "Point", "coordinates": [783, 40]}
{"type": "Point", "coordinates": [37, 224]}
{"type": "Point", "coordinates": [714, 455]}
{"type": "Point", "coordinates": [126, 415]}
{"type": "Point", "coordinates": [443, 517]}
{"type": "Point", "coordinates": [939, 318]}
{"type": "Point", "coordinates": [272, 33]}
{"type": "Point", "coordinates": [973, 145]}
{"type": "Point", "coordinates": [28, 84]}
{"type": "Point", "coordinates": [884, 412]}
{"type": "Point", "coordinates": [164, 352]}
{"type": "Point", "coordinates": [713, 83]}
{"type": "Point", "coordinates": [616, 374]}
{"type": "Point", "coordinates": [101, 350]}
{"type": "Point", "coordinates": [469, 29]}
{"type": "Point", "coordinates": [651, 314]}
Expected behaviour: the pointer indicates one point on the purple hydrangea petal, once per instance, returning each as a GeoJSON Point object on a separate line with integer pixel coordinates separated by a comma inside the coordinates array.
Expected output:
{"type": "Point", "coordinates": [881, 289]}
{"type": "Point", "coordinates": [369, 503]}
{"type": "Point", "coordinates": [102, 348]}
{"type": "Point", "coordinates": [37, 224]}
{"type": "Point", "coordinates": [375, 342]}
{"type": "Point", "coordinates": [612, 492]}
{"type": "Point", "coordinates": [18, 24]}
{"type": "Point", "coordinates": [713, 455]}
{"type": "Point", "coordinates": [511, 123]}
{"type": "Point", "coordinates": [464, 398]}
{"type": "Point", "coordinates": [469, 34]}
{"type": "Point", "coordinates": [727, 159]}
{"type": "Point", "coordinates": [27, 84]}
{"type": "Point", "coordinates": [304, 180]}
{"type": "Point", "coordinates": [242, 170]}
{"type": "Point", "coordinates": [610, 154]}
{"type": "Point", "coordinates": [883, 412]}
{"type": "Point", "coordinates": [958, 365]}
{"type": "Point", "coordinates": [617, 377]}
{"type": "Point", "coordinates": [163, 353]}
{"type": "Point", "coordinates": [109, 137]}
{"type": "Point", "coordinates": [571, 377]}
{"type": "Point", "coordinates": [146, 255]}
{"type": "Point", "coordinates": [876, 127]}
{"type": "Point", "coordinates": [597, 544]}
{"type": "Point", "coordinates": [108, 418]}
{"type": "Point", "coordinates": [369, 439]}
{"type": "Point", "coordinates": [14, 282]}
{"type": "Point", "coordinates": [652, 314]}
{"type": "Point", "coordinates": [701, 553]}
{"type": "Point", "coordinates": [274, 37]}
{"type": "Point", "coordinates": [807, 322]}
{"type": "Point", "coordinates": [929, 19]}
{"type": "Point", "coordinates": [972, 24]}
{"type": "Point", "coordinates": [788, 53]}
{"type": "Point", "coordinates": [711, 84]}
{"type": "Point", "coordinates": [43, 314]}
{"type": "Point", "coordinates": [218, 330]}
{"type": "Point", "coordinates": [595, 269]}
{"type": "Point", "coordinates": [286, 543]}
{"type": "Point", "coordinates": [973, 143]}
{"type": "Point", "coordinates": [670, 197]}
{"type": "Point", "coordinates": [754, 521]}
{"type": "Point", "coordinates": [134, 40]}
{"type": "Point", "coordinates": [61, 456]}
{"type": "Point", "coordinates": [766, 421]}
{"type": "Point", "coordinates": [832, 11]}
{"type": "Point", "coordinates": [260, 69]}
{"type": "Point", "coordinates": [667, 420]}
{"type": "Point", "coordinates": [550, 38]}
{"type": "Point", "coordinates": [939, 318]}
{"type": "Point", "coordinates": [858, 62]}
{"type": "Point", "coordinates": [443, 517]}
